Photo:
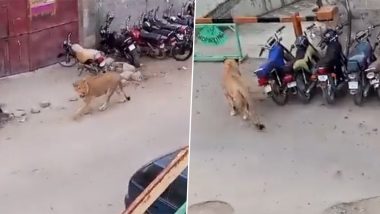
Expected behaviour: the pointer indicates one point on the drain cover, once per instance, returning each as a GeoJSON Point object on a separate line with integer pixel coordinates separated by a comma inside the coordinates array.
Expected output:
{"type": "Point", "coordinates": [211, 207]}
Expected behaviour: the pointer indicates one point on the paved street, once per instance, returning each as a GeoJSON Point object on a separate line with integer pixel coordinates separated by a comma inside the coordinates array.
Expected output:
{"type": "Point", "coordinates": [52, 164]}
{"type": "Point", "coordinates": [310, 157]}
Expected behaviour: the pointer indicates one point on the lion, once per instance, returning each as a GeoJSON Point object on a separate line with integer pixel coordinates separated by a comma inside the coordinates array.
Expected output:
{"type": "Point", "coordinates": [237, 94]}
{"type": "Point", "coordinates": [96, 86]}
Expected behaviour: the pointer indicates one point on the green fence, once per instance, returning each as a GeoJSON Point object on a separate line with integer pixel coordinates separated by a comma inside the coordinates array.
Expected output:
{"type": "Point", "coordinates": [181, 210]}
{"type": "Point", "coordinates": [216, 42]}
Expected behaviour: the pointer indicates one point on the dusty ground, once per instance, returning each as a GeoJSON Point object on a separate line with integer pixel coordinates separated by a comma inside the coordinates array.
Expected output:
{"type": "Point", "coordinates": [52, 164]}
{"type": "Point", "coordinates": [310, 157]}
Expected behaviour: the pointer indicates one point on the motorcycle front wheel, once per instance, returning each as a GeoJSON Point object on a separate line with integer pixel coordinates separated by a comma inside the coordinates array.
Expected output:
{"type": "Point", "coordinates": [278, 95]}
{"type": "Point", "coordinates": [67, 60]}
{"type": "Point", "coordinates": [302, 87]}
{"type": "Point", "coordinates": [182, 52]}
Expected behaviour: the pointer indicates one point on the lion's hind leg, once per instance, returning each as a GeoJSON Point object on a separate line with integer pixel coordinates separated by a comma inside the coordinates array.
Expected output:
{"type": "Point", "coordinates": [120, 91]}
{"type": "Point", "coordinates": [109, 94]}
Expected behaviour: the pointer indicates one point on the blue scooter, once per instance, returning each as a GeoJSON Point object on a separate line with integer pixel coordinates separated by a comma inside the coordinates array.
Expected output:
{"type": "Point", "coordinates": [276, 74]}
{"type": "Point", "coordinates": [359, 60]}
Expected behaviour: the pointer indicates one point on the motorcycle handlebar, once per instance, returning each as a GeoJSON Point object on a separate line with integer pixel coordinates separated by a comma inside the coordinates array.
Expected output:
{"type": "Point", "coordinates": [310, 27]}
{"type": "Point", "coordinates": [261, 52]}
{"type": "Point", "coordinates": [280, 29]}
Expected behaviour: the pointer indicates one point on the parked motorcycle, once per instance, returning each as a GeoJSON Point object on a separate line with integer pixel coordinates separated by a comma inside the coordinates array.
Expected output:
{"type": "Point", "coordinates": [150, 44]}
{"type": "Point", "coordinates": [307, 57]}
{"type": "Point", "coordinates": [360, 58]}
{"type": "Point", "coordinates": [372, 73]}
{"type": "Point", "coordinates": [276, 74]}
{"type": "Point", "coordinates": [121, 45]}
{"type": "Point", "coordinates": [181, 18]}
{"type": "Point", "coordinates": [329, 75]}
{"type": "Point", "coordinates": [179, 42]}
{"type": "Point", "coordinates": [92, 60]}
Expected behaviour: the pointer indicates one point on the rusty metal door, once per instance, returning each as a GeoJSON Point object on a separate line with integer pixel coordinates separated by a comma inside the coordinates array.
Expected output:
{"type": "Point", "coordinates": [19, 56]}
{"type": "Point", "coordinates": [4, 58]}
{"type": "Point", "coordinates": [17, 17]}
{"type": "Point", "coordinates": [4, 24]}
{"type": "Point", "coordinates": [47, 32]}
{"type": "Point", "coordinates": [31, 34]}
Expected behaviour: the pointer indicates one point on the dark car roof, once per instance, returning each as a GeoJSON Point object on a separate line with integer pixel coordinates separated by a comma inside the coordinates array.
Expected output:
{"type": "Point", "coordinates": [165, 160]}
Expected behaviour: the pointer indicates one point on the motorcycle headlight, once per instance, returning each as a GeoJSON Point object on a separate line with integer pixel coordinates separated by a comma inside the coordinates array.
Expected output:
{"type": "Point", "coordinates": [370, 75]}
{"type": "Point", "coordinates": [352, 76]}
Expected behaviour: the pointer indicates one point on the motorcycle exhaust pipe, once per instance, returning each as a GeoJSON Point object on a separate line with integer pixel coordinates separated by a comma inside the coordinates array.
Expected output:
{"type": "Point", "coordinates": [312, 85]}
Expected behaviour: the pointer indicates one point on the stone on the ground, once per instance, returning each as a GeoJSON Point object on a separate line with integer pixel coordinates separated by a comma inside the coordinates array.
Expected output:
{"type": "Point", "coordinates": [22, 119]}
{"type": "Point", "coordinates": [45, 104]}
{"type": "Point", "coordinates": [73, 99]}
{"type": "Point", "coordinates": [35, 110]}
{"type": "Point", "coordinates": [19, 113]}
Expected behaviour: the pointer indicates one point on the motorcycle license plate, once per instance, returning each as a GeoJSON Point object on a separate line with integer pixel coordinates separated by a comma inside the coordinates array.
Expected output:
{"type": "Point", "coordinates": [375, 81]}
{"type": "Point", "coordinates": [132, 47]}
{"type": "Point", "coordinates": [353, 85]}
{"type": "Point", "coordinates": [268, 89]}
{"type": "Point", "coordinates": [322, 78]}
{"type": "Point", "coordinates": [292, 84]}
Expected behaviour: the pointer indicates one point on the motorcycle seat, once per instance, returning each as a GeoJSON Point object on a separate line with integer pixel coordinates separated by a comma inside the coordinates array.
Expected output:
{"type": "Point", "coordinates": [288, 67]}
{"type": "Point", "coordinates": [164, 32]}
{"type": "Point", "coordinates": [166, 26]}
{"type": "Point", "coordinates": [265, 69]}
{"type": "Point", "coordinates": [152, 36]}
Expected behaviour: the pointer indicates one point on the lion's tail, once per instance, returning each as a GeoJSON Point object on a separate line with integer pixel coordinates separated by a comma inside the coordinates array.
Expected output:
{"type": "Point", "coordinates": [252, 114]}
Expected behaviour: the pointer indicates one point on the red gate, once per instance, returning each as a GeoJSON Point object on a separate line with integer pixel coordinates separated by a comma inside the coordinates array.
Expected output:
{"type": "Point", "coordinates": [32, 31]}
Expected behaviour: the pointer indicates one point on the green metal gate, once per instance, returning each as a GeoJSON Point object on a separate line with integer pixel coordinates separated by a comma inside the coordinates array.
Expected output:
{"type": "Point", "coordinates": [216, 42]}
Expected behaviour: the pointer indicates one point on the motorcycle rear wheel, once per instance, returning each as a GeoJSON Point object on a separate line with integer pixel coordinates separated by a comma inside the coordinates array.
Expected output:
{"type": "Point", "coordinates": [278, 95]}
{"type": "Point", "coordinates": [328, 93]}
{"type": "Point", "coordinates": [378, 93]}
{"type": "Point", "coordinates": [302, 87]}
{"type": "Point", "coordinates": [358, 97]}
{"type": "Point", "coordinates": [67, 61]}
{"type": "Point", "coordinates": [133, 58]}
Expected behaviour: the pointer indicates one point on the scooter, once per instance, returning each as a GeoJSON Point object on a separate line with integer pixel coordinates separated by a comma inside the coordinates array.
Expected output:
{"type": "Point", "coordinates": [121, 45]}
{"type": "Point", "coordinates": [329, 74]}
{"type": "Point", "coordinates": [276, 74]}
{"type": "Point", "coordinates": [359, 60]}
{"type": "Point", "coordinates": [307, 57]}
{"type": "Point", "coordinates": [372, 73]}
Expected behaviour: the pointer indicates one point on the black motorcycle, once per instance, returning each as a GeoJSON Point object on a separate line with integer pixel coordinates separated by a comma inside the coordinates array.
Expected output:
{"type": "Point", "coordinates": [121, 45]}
{"type": "Point", "coordinates": [178, 38]}
{"type": "Point", "coordinates": [329, 75]}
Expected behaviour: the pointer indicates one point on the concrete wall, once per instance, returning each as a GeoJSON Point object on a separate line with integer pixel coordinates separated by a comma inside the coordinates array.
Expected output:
{"type": "Point", "coordinates": [92, 14]}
